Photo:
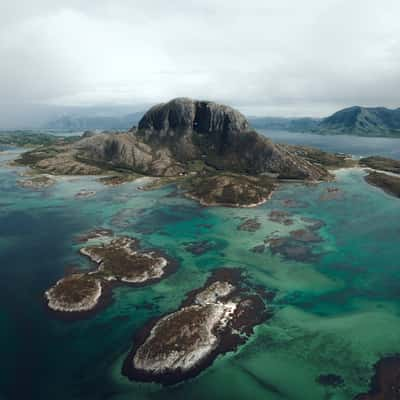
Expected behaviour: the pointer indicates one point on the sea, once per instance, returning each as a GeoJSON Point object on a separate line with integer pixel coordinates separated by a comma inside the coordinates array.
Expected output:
{"type": "Point", "coordinates": [335, 314]}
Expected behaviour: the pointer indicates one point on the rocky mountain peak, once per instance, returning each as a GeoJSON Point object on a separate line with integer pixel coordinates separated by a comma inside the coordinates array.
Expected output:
{"type": "Point", "coordinates": [184, 114]}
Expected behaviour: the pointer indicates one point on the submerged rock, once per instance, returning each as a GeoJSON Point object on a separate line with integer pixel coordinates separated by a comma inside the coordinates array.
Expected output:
{"type": "Point", "coordinates": [291, 203]}
{"type": "Point", "coordinates": [282, 217]}
{"type": "Point", "coordinates": [385, 384]}
{"type": "Point", "coordinates": [250, 225]}
{"type": "Point", "coordinates": [290, 249]}
{"type": "Point", "coordinates": [305, 235]}
{"type": "Point", "coordinates": [315, 224]}
{"type": "Point", "coordinates": [85, 194]}
{"type": "Point", "coordinates": [332, 193]}
{"type": "Point", "coordinates": [212, 320]}
{"type": "Point", "coordinates": [258, 249]}
{"type": "Point", "coordinates": [37, 182]}
{"type": "Point", "coordinates": [330, 380]}
{"type": "Point", "coordinates": [201, 247]}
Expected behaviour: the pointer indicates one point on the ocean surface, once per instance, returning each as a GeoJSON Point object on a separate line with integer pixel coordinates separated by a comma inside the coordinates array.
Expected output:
{"type": "Point", "coordinates": [356, 145]}
{"type": "Point", "coordinates": [337, 314]}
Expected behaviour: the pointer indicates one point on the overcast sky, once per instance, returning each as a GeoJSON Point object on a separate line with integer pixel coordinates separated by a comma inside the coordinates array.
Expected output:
{"type": "Point", "coordinates": [283, 58]}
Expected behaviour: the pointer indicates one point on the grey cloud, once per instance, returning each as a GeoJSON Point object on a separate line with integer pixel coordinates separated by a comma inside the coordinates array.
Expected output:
{"type": "Point", "coordinates": [306, 57]}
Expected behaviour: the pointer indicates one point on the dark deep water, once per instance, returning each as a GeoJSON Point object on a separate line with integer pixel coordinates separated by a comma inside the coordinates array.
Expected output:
{"type": "Point", "coordinates": [337, 314]}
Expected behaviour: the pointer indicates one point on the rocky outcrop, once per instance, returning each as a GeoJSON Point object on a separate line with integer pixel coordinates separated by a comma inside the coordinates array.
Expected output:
{"type": "Point", "coordinates": [388, 183]}
{"type": "Point", "coordinates": [230, 190]}
{"type": "Point", "coordinates": [37, 182]}
{"type": "Point", "coordinates": [212, 320]}
{"type": "Point", "coordinates": [385, 384]}
{"type": "Point", "coordinates": [381, 164]}
{"type": "Point", "coordinates": [119, 262]}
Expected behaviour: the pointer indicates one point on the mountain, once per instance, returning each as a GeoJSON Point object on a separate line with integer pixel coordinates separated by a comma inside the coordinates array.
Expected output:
{"type": "Point", "coordinates": [285, 124]}
{"type": "Point", "coordinates": [362, 121]}
{"type": "Point", "coordinates": [209, 148]}
{"type": "Point", "coordinates": [171, 136]}
{"type": "Point", "coordinates": [102, 122]}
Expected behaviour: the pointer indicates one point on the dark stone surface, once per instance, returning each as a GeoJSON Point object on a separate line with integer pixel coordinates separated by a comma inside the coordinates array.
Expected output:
{"type": "Point", "coordinates": [200, 247]}
{"type": "Point", "coordinates": [250, 225]}
{"type": "Point", "coordinates": [282, 217]}
{"type": "Point", "coordinates": [385, 384]}
{"type": "Point", "coordinates": [388, 183]}
{"type": "Point", "coordinates": [305, 235]}
{"type": "Point", "coordinates": [250, 312]}
{"type": "Point", "coordinates": [330, 380]}
{"type": "Point", "coordinates": [258, 249]}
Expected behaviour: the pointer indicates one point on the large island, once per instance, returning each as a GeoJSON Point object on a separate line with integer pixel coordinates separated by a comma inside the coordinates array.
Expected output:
{"type": "Point", "coordinates": [209, 148]}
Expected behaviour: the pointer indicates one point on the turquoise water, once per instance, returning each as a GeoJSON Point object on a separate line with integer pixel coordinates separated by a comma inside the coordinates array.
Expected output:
{"type": "Point", "coordinates": [336, 314]}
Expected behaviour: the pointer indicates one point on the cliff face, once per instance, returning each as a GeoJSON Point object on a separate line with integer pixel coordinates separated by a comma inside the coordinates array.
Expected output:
{"type": "Point", "coordinates": [171, 135]}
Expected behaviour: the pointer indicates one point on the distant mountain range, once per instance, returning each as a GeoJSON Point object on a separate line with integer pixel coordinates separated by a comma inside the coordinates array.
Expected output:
{"type": "Point", "coordinates": [359, 121]}
{"type": "Point", "coordinates": [285, 124]}
{"type": "Point", "coordinates": [81, 122]}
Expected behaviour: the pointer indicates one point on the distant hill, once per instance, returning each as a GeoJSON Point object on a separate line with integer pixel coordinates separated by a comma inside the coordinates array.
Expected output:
{"type": "Point", "coordinates": [81, 123]}
{"type": "Point", "coordinates": [362, 121]}
{"type": "Point", "coordinates": [356, 120]}
{"type": "Point", "coordinates": [285, 124]}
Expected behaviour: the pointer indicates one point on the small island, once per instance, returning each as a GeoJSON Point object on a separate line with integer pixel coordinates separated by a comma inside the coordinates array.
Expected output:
{"type": "Point", "coordinates": [212, 320]}
{"type": "Point", "coordinates": [74, 293]}
{"type": "Point", "coordinates": [121, 261]}
{"type": "Point", "coordinates": [118, 262]}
